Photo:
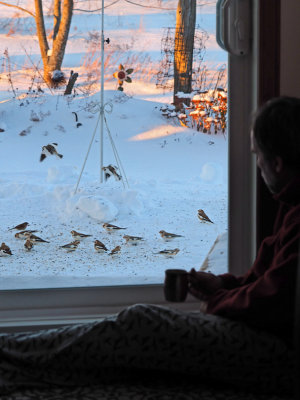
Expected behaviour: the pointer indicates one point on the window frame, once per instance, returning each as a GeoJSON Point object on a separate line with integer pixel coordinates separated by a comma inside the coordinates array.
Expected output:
{"type": "Point", "coordinates": [28, 309]}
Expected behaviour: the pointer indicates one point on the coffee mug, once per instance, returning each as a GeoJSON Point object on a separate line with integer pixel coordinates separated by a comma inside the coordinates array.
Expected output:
{"type": "Point", "coordinates": [176, 285]}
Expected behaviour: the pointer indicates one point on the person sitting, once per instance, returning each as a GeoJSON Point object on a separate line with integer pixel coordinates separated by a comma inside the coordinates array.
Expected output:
{"type": "Point", "coordinates": [242, 333]}
{"type": "Point", "coordinates": [265, 296]}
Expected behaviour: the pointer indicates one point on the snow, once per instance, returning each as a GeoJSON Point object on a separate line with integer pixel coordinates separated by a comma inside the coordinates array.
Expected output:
{"type": "Point", "coordinates": [96, 207]}
{"type": "Point", "coordinates": [168, 171]}
{"type": "Point", "coordinates": [212, 173]}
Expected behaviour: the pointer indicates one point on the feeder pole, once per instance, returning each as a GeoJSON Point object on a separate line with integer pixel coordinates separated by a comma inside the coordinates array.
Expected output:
{"type": "Point", "coordinates": [102, 94]}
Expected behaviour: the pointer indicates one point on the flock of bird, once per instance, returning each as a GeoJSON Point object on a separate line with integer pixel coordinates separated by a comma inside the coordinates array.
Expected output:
{"type": "Point", "coordinates": [30, 239]}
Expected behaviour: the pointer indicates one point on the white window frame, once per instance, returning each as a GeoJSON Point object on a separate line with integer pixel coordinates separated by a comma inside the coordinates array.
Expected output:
{"type": "Point", "coordinates": [28, 309]}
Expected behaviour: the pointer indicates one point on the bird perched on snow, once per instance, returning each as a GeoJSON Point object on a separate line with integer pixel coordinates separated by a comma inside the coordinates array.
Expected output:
{"type": "Point", "coordinates": [168, 252]}
{"type": "Point", "coordinates": [5, 250]}
{"type": "Point", "coordinates": [115, 251]}
{"type": "Point", "coordinates": [20, 227]}
{"type": "Point", "coordinates": [99, 246]}
{"type": "Point", "coordinates": [167, 236]}
{"type": "Point", "coordinates": [50, 150]}
{"type": "Point", "coordinates": [203, 217]}
{"type": "Point", "coordinates": [134, 240]}
{"type": "Point", "coordinates": [28, 245]}
{"type": "Point", "coordinates": [111, 170]}
{"type": "Point", "coordinates": [111, 228]}
{"type": "Point", "coordinates": [23, 234]}
{"type": "Point", "coordinates": [70, 246]}
{"type": "Point", "coordinates": [78, 236]}
{"type": "Point", "coordinates": [35, 239]}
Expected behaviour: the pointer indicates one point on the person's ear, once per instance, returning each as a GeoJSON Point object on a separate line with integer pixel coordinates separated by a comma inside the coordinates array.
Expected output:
{"type": "Point", "coordinates": [278, 164]}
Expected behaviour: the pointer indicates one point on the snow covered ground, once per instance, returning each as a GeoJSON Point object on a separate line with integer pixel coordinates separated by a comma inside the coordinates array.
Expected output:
{"type": "Point", "coordinates": [172, 171]}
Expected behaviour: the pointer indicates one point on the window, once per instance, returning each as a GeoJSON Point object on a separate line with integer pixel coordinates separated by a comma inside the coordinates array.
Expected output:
{"type": "Point", "coordinates": [152, 196]}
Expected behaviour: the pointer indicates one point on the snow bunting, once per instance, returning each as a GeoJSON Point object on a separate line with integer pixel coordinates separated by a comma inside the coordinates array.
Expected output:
{"type": "Point", "coordinates": [134, 240]}
{"type": "Point", "coordinates": [111, 170]}
{"type": "Point", "coordinates": [116, 250]}
{"type": "Point", "coordinates": [203, 217]}
{"type": "Point", "coordinates": [5, 250]}
{"type": "Point", "coordinates": [35, 239]}
{"type": "Point", "coordinates": [99, 246]}
{"type": "Point", "coordinates": [23, 234]}
{"type": "Point", "coordinates": [78, 236]}
{"type": "Point", "coordinates": [70, 246]}
{"type": "Point", "coordinates": [50, 150]}
{"type": "Point", "coordinates": [20, 227]}
{"type": "Point", "coordinates": [167, 236]}
{"type": "Point", "coordinates": [168, 252]}
{"type": "Point", "coordinates": [28, 244]}
{"type": "Point", "coordinates": [111, 228]}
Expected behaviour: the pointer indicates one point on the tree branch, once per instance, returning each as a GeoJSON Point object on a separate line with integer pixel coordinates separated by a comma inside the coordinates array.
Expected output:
{"type": "Point", "coordinates": [19, 8]}
{"type": "Point", "coordinates": [41, 31]}
{"type": "Point", "coordinates": [60, 42]}
{"type": "Point", "coordinates": [57, 17]}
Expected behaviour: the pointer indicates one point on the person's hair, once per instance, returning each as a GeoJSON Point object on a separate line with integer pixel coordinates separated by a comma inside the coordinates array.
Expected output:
{"type": "Point", "coordinates": [276, 128]}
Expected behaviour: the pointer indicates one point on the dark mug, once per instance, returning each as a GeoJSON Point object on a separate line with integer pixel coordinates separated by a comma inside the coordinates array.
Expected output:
{"type": "Point", "coordinates": [176, 285]}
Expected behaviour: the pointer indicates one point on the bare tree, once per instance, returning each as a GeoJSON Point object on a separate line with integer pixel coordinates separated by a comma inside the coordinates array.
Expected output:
{"type": "Point", "coordinates": [52, 58]}
{"type": "Point", "coordinates": [184, 44]}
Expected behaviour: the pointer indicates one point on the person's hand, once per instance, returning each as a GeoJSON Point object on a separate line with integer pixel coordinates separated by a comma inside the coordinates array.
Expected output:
{"type": "Point", "coordinates": [203, 284]}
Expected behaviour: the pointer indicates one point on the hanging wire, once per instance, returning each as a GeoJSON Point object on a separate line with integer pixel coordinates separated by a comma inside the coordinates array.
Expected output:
{"type": "Point", "coordinates": [162, 8]}
{"type": "Point", "coordinates": [142, 5]}
{"type": "Point", "coordinates": [118, 160]}
{"type": "Point", "coordinates": [102, 93]}
{"type": "Point", "coordinates": [87, 154]}
{"type": "Point", "coordinates": [97, 9]}
{"type": "Point", "coordinates": [108, 108]}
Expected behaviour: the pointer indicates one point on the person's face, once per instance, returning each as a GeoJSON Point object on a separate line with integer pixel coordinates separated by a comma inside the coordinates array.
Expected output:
{"type": "Point", "coordinates": [267, 166]}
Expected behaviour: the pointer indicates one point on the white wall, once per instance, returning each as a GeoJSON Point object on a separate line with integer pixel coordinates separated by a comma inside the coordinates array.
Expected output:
{"type": "Point", "coordinates": [290, 48]}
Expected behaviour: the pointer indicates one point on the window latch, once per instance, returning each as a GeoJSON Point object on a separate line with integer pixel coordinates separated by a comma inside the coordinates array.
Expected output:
{"type": "Point", "coordinates": [233, 29]}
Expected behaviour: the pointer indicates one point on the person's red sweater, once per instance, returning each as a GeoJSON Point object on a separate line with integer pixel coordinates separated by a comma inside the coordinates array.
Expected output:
{"type": "Point", "coordinates": [265, 296]}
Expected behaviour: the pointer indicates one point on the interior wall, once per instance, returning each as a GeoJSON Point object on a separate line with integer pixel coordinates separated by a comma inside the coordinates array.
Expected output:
{"type": "Point", "coordinates": [290, 48]}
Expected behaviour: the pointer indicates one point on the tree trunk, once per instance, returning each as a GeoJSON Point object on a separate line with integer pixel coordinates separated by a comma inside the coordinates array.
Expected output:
{"type": "Point", "coordinates": [183, 49]}
{"type": "Point", "coordinates": [52, 59]}
{"type": "Point", "coordinates": [60, 41]}
{"type": "Point", "coordinates": [71, 83]}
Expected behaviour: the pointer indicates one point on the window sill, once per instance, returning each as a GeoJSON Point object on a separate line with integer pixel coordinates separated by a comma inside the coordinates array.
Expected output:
{"type": "Point", "coordinates": [31, 309]}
